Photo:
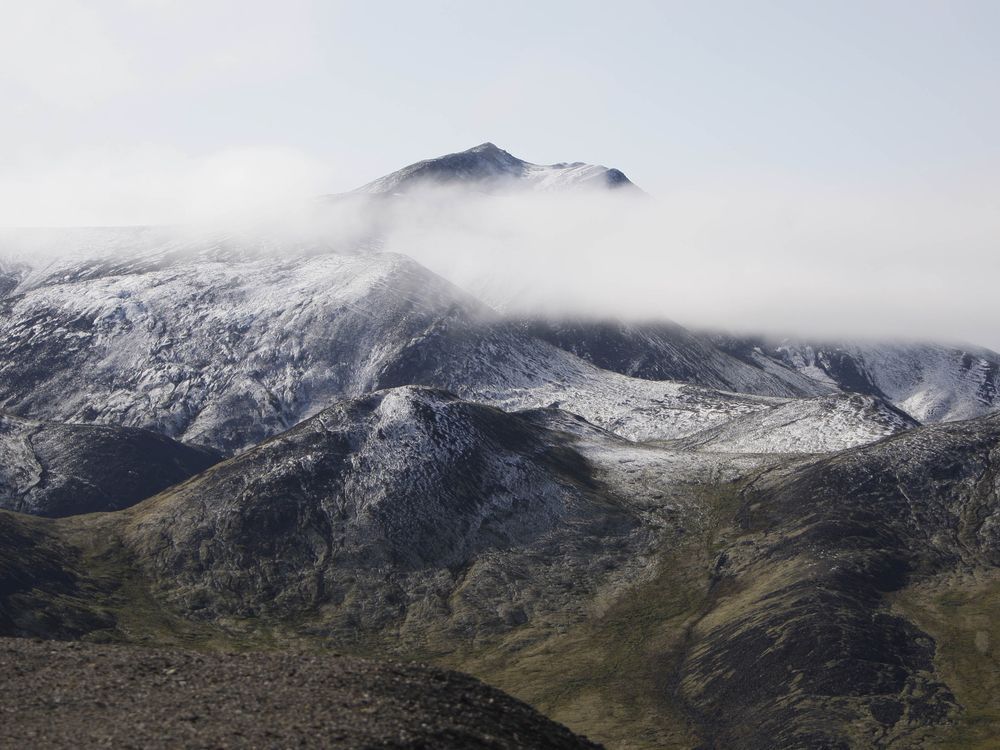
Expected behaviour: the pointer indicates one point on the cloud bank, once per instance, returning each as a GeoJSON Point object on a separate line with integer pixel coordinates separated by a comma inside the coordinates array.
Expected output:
{"type": "Point", "coordinates": [776, 258]}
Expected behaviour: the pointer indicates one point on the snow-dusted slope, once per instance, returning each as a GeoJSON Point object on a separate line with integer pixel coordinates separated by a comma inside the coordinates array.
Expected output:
{"type": "Point", "coordinates": [487, 167]}
{"type": "Point", "coordinates": [213, 341]}
{"type": "Point", "coordinates": [226, 341]}
{"type": "Point", "coordinates": [816, 425]}
{"type": "Point", "coordinates": [212, 344]}
{"type": "Point", "coordinates": [930, 382]}
{"type": "Point", "coordinates": [666, 351]}
{"type": "Point", "coordinates": [207, 344]}
{"type": "Point", "coordinates": [497, 363]}
{"type": "Point", "coordinates": [216, 343]}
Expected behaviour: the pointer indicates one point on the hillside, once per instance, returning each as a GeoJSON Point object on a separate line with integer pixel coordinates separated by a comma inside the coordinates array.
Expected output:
{"type": "Point", "coordinates": [52, 469]}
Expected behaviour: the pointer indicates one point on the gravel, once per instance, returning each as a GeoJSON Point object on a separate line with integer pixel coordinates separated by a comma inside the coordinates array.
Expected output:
{"type": "Point", "coordinates": [57, 694]}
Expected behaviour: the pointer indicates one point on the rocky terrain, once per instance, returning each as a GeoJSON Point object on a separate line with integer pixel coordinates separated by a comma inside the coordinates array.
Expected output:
{"type": "Point", "coordinates": [52, 469]}
{"type": "Point", "coordinates": [69, 695]}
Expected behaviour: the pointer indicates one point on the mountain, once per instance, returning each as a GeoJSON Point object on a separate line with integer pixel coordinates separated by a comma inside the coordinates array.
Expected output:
{"type": "Point", "coordinates": [720, 599]}
{"type": "Point", "coordinates": [214, 342]}
{"type": "Point", "coordinates": [488, 168]}
{"type": "Point", "coordinates": [404, 510]}
{"type": "Point", "coordinates": [817, 425]}
{"type": "Point", "coordinates": [853, 607]}
{"type": "Point", "coordinates": [666, 351]}
{"type": "Point", "coordinates": [207, 342]}
{"type": "Point", "coordinates": [404, 522]}
{"type": "Point", "coordinates": [931, 382]}
{"type": "Point", "coordinates": [52, 469]}
{"type": "Point", "coordinates": [658, 537]}
{"type": "Point", "coordinates": [69, 695]}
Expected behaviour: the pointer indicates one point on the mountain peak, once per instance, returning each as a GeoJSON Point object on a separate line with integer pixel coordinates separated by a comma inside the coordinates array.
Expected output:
{"type": "Point", "coordinates": [485, 148]}
{"type": "Point", "coordinates": [489, 168]}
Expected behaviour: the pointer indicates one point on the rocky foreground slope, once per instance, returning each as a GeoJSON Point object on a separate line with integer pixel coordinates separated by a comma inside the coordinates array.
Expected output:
{"type": "Point", "coordinates": [71, 695]}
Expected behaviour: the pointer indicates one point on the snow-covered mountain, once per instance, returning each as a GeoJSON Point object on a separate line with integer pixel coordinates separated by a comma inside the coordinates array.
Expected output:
{"type": "Point", "coordinates": [226, 339]}
{"type": "Point", "coordinates": [930, 382]}
{"type": "Point", "coordinates": [667, 351]}
{"type": "Point", "coordinates": [213, 347]}
{"type": "Point", "coordinates": [717, 541]}
{"type": "Point", "coordinates": [487, 168]}
{"type": "Point", "coordinates": [216, 342]}
{"type": "Point", "coordinates": [814, 425]}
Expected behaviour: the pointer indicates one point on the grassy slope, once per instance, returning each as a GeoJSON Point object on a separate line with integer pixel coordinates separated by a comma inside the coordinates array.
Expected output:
{"type": "Point", "coordinates": [962, 613]}
{"type": "Point", "coordinates": [613, 676]}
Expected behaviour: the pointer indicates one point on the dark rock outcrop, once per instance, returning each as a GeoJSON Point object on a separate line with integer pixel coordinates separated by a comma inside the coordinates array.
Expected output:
{"type": "Point", "coordinates": [52, 469]}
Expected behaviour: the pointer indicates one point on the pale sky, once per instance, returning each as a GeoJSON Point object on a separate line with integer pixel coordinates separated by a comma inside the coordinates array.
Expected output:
{"type": "Point", "coordinates": [137, 98]}
{"type": "Point", "coordinates": [779, 137]}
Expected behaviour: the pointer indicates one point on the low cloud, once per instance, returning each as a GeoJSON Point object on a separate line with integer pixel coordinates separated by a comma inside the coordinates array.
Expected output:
{"type": "Point", "coordinates": [104, 187]}
{"type": "Point", "coordinates": [772, 258]}
{"type": "Point", "coordinates": [776, 258]}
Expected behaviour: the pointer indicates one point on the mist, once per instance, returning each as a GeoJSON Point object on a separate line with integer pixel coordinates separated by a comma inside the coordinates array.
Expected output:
{"type": "Point", "coordinates": [776, 258]}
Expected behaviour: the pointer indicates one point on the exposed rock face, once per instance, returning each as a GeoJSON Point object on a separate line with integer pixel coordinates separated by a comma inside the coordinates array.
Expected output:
{"type": "Point", "coordinates": [70, 695]}
{"type": "Point", "coordinates": [51, 469]}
